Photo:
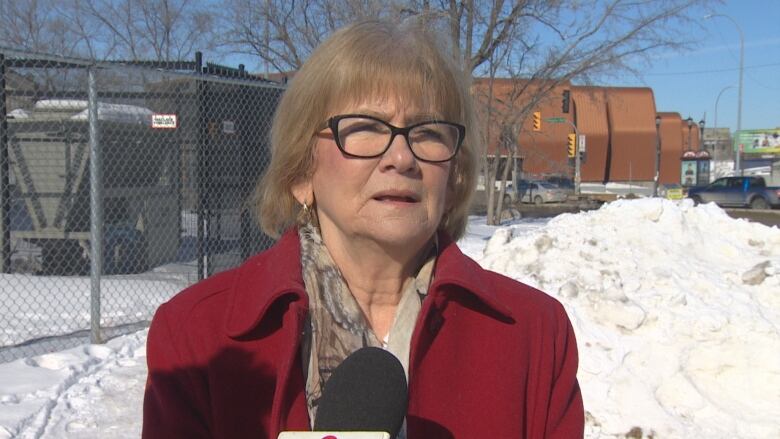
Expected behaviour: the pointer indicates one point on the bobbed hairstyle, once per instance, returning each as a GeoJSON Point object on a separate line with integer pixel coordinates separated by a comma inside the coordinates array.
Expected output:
{"type": "Point", "coordinates": [406, 63]}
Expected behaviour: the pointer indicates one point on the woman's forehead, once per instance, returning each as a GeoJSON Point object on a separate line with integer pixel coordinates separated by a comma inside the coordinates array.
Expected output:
{"type": "Point", "coordinates": [389, 107]}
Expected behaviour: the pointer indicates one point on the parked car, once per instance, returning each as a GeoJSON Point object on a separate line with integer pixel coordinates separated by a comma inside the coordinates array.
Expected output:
{"type": "Point", "coordinates": [563, 182]}
{"type": "Point", "coordinates": [538, 192]}
{"type": "Point", "coordinates": [737, 192]}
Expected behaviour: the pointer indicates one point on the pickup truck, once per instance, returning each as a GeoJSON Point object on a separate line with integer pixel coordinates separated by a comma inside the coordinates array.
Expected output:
{"type": "Point", "coordinates": [737, 192]}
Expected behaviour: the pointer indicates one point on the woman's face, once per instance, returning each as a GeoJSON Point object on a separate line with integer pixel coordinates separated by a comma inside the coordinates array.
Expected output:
{"type": "Point", "coordinates": [395, 199]}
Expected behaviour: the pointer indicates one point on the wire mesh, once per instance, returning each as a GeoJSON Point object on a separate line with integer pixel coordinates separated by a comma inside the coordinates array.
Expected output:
{"type": "Point", "coordinates": [182, 146]}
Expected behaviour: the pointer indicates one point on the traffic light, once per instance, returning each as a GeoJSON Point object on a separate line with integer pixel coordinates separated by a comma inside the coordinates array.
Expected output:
{"type": "Point", "coordinates": [572, 146]}
{"type": "Point", "coordinates": [565, 102]}
{"type": "Point", "coordinates": [537, 120]}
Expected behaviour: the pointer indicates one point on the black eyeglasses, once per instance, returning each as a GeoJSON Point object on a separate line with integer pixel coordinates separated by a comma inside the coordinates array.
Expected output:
{"type": "Point", "coordinates": [362, 136]}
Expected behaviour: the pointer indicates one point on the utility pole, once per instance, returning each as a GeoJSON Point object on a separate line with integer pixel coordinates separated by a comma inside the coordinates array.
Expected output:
{"type": "Point", "coordinates": [657, 154]}
{"type": "Point", "coordinates": [577, 155]}
{"type": "Point", "coordinates": [737, 162]}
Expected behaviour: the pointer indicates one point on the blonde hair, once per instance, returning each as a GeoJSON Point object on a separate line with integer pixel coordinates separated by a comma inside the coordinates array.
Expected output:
{"type": "Point", "coordinates": [369, 59]}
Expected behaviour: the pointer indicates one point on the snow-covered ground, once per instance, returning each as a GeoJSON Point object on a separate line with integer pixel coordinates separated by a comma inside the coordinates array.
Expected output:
{"type": "Point", "coordinates": [36, 306]}
{"type": "Point", "coordinates": [676, 310]}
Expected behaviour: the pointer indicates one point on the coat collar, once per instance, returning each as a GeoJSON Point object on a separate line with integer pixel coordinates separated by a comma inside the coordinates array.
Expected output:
{"type": "Point", "coordinates": [276, 273]}
{"type": "Point", "coordinates": [261, 281]}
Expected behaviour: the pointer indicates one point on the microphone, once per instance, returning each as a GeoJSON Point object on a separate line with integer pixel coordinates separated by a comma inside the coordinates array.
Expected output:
{"type": "Point", "coordinates": [367, 393]}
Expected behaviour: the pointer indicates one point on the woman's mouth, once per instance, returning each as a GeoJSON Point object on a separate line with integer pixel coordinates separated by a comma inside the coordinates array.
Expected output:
{"type": "Point", "coordinates": [396, 199]}
{"type": "Point", "coordinates": [397, 196]}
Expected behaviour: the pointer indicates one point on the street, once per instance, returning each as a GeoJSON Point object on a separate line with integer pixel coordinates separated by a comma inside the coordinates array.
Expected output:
{"type": "Point", "coordinates": [766, 217]}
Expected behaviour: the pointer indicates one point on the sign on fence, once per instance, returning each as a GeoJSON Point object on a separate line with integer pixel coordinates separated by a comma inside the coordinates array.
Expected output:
{"type": "Point", "coordinates": [164, 121]}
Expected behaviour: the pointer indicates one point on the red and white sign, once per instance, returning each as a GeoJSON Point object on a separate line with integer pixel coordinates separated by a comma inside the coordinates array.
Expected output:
{"type": "Point", "coordinates": [165, 121]}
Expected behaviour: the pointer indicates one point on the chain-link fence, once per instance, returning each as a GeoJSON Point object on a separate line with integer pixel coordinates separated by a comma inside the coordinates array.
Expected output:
{"type": "Point", "coordinates": [120, 184]}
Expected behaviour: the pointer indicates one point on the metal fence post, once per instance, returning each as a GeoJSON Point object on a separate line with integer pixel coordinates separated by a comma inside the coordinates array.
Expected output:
{"type": "Point", "coordinates": [95, 210]}
{"type": "Point", "coordinates": [199, 165]}
{"type": "Point", "coordinates": [5, 182]}
{"type": "Point", "coordinates": [203, 229]}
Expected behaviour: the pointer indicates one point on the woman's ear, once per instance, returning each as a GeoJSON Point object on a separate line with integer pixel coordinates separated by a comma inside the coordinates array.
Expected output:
{"type": "Point", "coordinates": [303, 192]}
{"type": "Point", "coordinates": [303, 189]}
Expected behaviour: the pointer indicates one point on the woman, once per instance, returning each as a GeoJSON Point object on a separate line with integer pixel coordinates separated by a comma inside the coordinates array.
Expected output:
{"type": "Point", "coordinates": [374, 151]}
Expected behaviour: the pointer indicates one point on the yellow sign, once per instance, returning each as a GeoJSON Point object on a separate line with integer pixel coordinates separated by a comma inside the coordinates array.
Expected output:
{"type": "Point", "coordinates": [674, 194]}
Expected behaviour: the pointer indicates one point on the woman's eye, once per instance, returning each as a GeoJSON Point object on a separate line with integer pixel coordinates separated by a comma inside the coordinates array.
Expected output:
{"type": "Point", "coordinates": [362, 127]}
{"type": "Point", "coordinates": [428, 135]}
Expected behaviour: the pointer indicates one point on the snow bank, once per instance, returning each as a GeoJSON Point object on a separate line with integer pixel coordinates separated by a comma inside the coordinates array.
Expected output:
{"type": "Point", "coordinates": [676, 309]}
{"type": "Point", "coordinates": [84, 392]}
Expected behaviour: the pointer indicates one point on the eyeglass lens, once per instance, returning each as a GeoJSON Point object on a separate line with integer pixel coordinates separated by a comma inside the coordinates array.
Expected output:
{"type": "Point", "coordinates": [365, 137]}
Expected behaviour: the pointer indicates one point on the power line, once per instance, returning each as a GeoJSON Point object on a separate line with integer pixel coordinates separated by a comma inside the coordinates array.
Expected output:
{"type": "Point", "coordinates": [760, 83]}
{"type": "Point", "coordinates": [699, 72]}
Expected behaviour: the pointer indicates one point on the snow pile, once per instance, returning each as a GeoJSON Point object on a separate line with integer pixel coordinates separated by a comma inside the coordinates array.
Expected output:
{"type": "Point", "coordinates": [677, 313]}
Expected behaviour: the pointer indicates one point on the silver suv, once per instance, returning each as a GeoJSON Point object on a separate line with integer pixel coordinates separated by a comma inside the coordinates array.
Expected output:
{"type": "Point", "coordinates": [538, 192]}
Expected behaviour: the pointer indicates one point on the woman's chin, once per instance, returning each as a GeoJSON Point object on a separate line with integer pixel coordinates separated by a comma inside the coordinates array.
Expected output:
{"type": "Point", "coordinates": [400, 231]}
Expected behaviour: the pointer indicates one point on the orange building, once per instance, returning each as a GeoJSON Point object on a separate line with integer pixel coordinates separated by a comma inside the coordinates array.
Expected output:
{"type": "Point", "coordinates": [632, 139]}
{"type": "Point", "coordinates": [671, 147]}
{"type": "Point", "coordinates": [590, 106]}
{"type": "Point", "coordinates": [618, 123]}
{"type": "Point", "coordinates": [541, 152]}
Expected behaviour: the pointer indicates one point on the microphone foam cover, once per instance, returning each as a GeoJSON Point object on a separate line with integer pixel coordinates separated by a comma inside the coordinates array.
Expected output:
{"type": "Point", "coordinates": [366, 392]}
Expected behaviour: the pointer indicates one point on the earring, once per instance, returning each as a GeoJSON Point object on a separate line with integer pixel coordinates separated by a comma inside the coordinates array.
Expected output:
{"type": "Point", "coordinates": [306, 209]}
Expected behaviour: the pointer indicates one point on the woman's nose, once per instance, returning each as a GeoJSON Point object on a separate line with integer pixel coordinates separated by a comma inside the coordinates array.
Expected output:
{"type": "Point", "coordinates": [399, 155]}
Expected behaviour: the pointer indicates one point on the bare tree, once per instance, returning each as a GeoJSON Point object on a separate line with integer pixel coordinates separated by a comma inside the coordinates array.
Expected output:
{"type": "Point", "coordinates": [34, 25]}
{"type": "Point", "coordinates": [542, 44]}
{"type": "Point", "coordinates": [163, 30]}
{"type": "Point", "coordinates": [281, 34]}
{"type": "Point", "coordinates": [106, 29]}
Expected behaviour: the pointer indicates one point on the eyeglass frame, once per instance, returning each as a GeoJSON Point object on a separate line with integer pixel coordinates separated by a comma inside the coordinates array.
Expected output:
{"type": "Point", "coordinates": [333, 125]}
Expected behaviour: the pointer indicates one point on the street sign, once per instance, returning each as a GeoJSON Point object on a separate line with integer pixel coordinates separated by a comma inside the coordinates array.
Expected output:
{"type": "Point", "coordinates": [556, 119]}
{"type": "Point", "coordinates": [581, 143]}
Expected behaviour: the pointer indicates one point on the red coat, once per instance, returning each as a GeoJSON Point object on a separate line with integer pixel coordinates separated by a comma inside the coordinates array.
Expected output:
{"type": "Point", "coordinates": [490, 357]}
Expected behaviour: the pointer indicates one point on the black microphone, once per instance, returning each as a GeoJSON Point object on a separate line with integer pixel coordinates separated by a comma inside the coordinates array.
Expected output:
{"type": "Point", "coordinates": [366, 392]}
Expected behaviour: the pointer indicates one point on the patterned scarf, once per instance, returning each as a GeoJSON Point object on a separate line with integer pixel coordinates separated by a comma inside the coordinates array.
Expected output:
{"type": "Point", "coordinates": [337, 326]}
